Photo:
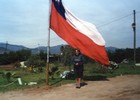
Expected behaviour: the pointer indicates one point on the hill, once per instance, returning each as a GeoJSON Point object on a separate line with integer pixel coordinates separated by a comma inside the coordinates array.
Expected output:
{"type": "Point", "coordinates": [111, 49]}
{"type": "Point", "coordinates": [53, 50]}
{"type": "Point", "coordinates": [10, 47]}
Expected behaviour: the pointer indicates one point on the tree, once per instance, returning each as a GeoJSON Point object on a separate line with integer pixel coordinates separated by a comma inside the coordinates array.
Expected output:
{"type": "Point", "coordinates": [23, 54]}
{"type": "Point", "coordinates": [68, 53]}
{"type": "Point", "coordinates": [42, 55]}
{"type": "Point", "coordinates": [121, 54]}
{"type": "Point", "coordinates": [138, 55]}
{"type": "Point", "coordinates": [35, 62]}
{"type": "Point", "coordinates": [12, 57]}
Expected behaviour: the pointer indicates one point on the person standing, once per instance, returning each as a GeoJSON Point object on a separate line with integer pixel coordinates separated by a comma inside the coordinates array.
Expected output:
{"type": "Point", "coordinates": [78, 64]}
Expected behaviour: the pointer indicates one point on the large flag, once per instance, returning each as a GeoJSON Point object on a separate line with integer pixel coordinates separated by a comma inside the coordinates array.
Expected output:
{"type": "Point", "coordinates": [78, 33]}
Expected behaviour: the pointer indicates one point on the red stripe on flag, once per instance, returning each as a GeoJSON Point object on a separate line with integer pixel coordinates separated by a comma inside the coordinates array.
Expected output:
{"type": "Point", "coordinates": [76, 39]}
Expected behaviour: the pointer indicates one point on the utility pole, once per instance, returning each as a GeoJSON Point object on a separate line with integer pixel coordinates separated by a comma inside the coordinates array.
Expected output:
{"type": "Point", "coordinates": [134, 30]}
{"type": "Point", "coordinates": [6, 46]}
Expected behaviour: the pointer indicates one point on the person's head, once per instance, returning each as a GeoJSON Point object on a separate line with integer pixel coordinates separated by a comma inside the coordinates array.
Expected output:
{"type": "Point", "coordinates": [77, 51]}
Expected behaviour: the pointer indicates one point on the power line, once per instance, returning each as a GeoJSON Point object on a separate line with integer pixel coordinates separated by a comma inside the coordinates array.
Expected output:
{"type": "Point", "coordinates": [59, 39]}
{"type": "Point", "coordinates": [114, 20]}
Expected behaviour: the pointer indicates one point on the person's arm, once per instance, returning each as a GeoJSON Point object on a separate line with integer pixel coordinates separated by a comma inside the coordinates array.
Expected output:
{"type": "Point", "coordinates": [72, 60]}
{"type": "Point", "coordinates": [82, 59]}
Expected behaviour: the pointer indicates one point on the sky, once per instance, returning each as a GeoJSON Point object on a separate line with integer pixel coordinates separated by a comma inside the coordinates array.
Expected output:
{"type": "Point", "coordinates": [25, 22]}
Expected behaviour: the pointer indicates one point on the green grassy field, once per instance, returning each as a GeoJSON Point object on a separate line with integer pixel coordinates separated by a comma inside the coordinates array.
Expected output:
{"type": "Point", "coordinates": [92, 72]}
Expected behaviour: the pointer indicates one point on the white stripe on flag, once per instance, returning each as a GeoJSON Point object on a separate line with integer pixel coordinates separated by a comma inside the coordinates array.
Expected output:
{"type": "Point", "coordinates": [84, 27]}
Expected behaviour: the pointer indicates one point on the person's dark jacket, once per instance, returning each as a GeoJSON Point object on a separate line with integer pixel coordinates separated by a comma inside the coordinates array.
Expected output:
{"type": "Point", "coordinates": [78, 59]}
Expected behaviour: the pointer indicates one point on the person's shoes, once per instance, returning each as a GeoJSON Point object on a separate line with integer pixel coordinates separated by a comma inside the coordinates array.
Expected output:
{"type": "Point", "coordinates": [78, 86]}
{"type": "Point", "coordinates": [83, 84]}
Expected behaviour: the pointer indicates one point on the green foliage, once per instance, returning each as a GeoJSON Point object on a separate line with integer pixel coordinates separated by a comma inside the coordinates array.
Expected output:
{"type": "Point", "coordinates": [67, 53]}
{"type": "Point", "coordinates": [92, 72]}
{"type": "Point", "coordinates": [138, 55]}
{"type": "Point", "coordinates": [13, 57]}
{"type": "Point", "coordinates": [4, 59]}
{"type": "Point", "coordinates": [7, 76]}
{"type": "Point", "coordinates": [42, 55]}
{"type": "Point", "coordinates": [35, 61]}
{"type": "Point", "coordinates": [96, 69]}
{"type": "Point", "coordinates": [121, 54]}
{"type": "Point", "coordinates": [8, 58]}
{"type": "Point", "coordinates": [23, 54]}
{"type": "Point", "coordinates": [53, 70]}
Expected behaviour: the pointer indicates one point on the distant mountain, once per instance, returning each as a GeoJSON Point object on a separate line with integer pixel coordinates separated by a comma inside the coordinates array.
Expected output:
{"type": "Point", "coordinates": [111, 49]}
{"type": "Point", "coordinates": [12, 47]}
{"type": "Point", "coordinates": [53, 49]}
{"type": "Point", "coordinates": [56, 49]}
{"type": "Point", "coordinates": [38, 49]}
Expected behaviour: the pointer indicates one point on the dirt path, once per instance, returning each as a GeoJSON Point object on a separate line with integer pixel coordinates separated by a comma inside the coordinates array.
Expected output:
{"type": "Point", "coordinates": [118, 88]}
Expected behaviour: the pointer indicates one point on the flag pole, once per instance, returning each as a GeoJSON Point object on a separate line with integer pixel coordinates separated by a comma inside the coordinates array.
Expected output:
{"type": "Point", "coordinates": [48, 46]}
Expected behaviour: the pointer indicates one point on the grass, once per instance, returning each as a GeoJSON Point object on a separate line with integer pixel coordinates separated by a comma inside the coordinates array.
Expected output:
{"type": "Point", "coordinates": [123, 69]}
{"type": "Point", "coordinates": [92, 72]}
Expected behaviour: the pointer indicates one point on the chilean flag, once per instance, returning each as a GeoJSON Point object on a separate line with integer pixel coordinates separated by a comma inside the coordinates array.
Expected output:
{"type": "Point", "coordinates": [78, 33]}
